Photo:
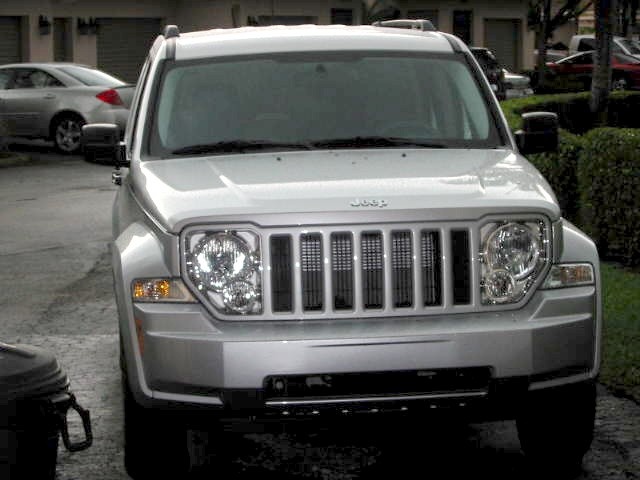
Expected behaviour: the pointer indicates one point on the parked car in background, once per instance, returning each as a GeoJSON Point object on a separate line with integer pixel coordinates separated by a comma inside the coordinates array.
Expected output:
{"type": "Point", "coordinates": [491, 68]}
{"type": "Point", "coordinates": [556, 51]}
{"type": "Point", "coordinates": [575, 72]}
{"type": "Point", "coordinates": [54, 100]}
{"type": "Point", "coordinates": [587, 43]}
{"type": "Point", "coordinates": [515, 85]}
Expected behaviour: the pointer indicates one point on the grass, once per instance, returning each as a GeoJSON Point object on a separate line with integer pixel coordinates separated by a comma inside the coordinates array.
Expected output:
{"type": "Point", "coordinates": [621, 348]}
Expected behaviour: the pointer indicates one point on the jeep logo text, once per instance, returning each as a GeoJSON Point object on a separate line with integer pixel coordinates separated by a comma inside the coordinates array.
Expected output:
{"type": "Point", "coordinates": [369, 203]}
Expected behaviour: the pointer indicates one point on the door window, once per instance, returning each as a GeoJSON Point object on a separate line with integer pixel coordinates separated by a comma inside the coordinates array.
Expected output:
{"type": "Point", "coordinates": [33, 78]}
{"type": "Point", "coordinates": [586, 59]}
{"type": "Point", "coordinates": [5, 78]}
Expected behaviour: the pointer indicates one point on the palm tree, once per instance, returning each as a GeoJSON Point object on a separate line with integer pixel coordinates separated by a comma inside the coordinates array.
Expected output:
{"type": "Point", "coordinates": [601, 83]}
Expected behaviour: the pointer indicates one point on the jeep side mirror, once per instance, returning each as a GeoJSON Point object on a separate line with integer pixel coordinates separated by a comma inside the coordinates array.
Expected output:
{"type": "Point", "coordinates": [539, 133]}
{"type": "Point", "coordinates": [101, 141]}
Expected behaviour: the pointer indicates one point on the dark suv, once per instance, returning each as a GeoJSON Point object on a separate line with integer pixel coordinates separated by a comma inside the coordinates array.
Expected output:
{"type": "Point", "coordinates": [491, 69]}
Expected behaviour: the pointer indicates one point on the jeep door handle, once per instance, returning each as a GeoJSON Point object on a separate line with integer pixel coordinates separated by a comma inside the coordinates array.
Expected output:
{"type": "Point", "coordinates": [49, 96]}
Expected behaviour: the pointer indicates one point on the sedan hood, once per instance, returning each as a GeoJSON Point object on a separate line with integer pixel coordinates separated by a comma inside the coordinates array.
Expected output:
{"type": "Point", "coordinates": [454, 183]}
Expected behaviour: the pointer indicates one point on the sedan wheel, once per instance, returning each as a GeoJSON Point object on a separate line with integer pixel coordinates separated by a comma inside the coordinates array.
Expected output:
{"type": "Point", "coordinates": [67, 133]}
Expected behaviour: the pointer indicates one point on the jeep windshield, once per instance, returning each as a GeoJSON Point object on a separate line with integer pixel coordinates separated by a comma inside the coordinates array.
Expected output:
{"type": "Point", "coordinates": [319, 101]}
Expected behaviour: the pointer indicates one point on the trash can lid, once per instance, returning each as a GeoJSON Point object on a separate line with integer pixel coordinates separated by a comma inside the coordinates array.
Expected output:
{"type": "Point", "coordinates": [27, 371]}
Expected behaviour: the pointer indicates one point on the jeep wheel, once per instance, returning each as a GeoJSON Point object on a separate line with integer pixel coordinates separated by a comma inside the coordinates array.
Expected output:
{"type": "Point", "coordinates": [154, 446]}
{"type": "Point", "coordinates": [555, 427]}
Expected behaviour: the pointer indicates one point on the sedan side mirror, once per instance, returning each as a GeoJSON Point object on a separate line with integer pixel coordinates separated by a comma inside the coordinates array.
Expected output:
{"type": "Point", "coordinates": [102, 141]}
{"type": "Point", "coordinates": [539, 133]}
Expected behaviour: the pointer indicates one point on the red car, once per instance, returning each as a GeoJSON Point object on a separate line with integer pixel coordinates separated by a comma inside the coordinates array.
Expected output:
{"type": "Point", "coordinates": [575, 72]}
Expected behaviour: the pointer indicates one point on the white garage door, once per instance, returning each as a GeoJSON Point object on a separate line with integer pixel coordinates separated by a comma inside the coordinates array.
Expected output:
{"type": "Point", "coordinates": [502, 37]}
{"type": "Point", "coordinates": [10, 46]}
{"type": "Point", "coordinates": [123, 45]}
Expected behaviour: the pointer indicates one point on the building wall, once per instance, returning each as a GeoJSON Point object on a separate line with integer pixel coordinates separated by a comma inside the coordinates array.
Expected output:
{"type": "Point", "coordinates": [505, 9]}
{"type": "Point", "coordinates": [205, 14]}
{"type": "Point", "coordinates": [39, 48]}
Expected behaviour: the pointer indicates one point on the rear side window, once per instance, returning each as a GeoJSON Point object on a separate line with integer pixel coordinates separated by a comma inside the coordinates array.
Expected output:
{"type": "Point", "coordinates": [92, 77]}
{"type": "Point", "coordinates": [587, 44]}
{"type": "Point", "coordinates": [33, 78]}
{"type": "Point", "coordinates": [5, 78]}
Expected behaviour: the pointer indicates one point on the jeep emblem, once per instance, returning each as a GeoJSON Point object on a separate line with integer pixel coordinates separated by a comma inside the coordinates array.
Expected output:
{"type": "Point", "coordinates": [369, 203]}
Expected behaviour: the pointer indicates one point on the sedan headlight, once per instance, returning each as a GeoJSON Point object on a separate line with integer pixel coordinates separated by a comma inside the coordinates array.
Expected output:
{"type": "Point", "coordinates": [225, 268]}
{"type": "Point", "coordinates": [513, 255]}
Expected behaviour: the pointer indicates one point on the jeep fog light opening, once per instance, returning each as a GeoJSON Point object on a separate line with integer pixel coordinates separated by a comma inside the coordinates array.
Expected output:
{"type": "Point", "coordinates": [225, 267]}
{"type": "Point", "coordinates": [513, 255]}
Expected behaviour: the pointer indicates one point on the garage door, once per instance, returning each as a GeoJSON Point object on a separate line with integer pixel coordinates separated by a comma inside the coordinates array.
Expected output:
{"type": "Point", "coordinates": [10, 49]}
{"type": "Point", "coordinates": [123, 45]}
{"type": "Point", "coordinates": [502, 37]}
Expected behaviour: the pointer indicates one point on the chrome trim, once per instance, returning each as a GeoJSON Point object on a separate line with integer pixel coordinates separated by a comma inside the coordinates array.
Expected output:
{"type": "Point", "coordinates": [394, 398]}
{"type": "Point", "coordinates": [388, 310]}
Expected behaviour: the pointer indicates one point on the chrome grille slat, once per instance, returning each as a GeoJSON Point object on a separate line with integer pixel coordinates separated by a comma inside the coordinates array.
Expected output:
{"type": "Point", "coordinates": [281, 261]}
{"type": "Point", "coordinates": [311, 266]}
{"type": "Point", "coordinates": [342, 270]}
{"type": "Point", "coordinates": [430, 268]}
{"type": "Point", "coordinates": [372, 270]}
{"type": "Point", "coordinates": [402, 268]}
{"type": "Point", "coordinates": [461, 268]}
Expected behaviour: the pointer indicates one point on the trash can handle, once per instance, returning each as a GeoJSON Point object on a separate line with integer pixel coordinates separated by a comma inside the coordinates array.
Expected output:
{"type": "Point", "coordinates": [86, 424]}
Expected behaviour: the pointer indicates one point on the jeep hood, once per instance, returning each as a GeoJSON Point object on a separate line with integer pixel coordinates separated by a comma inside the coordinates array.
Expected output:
{"type": "Point", "coordinates": [460, 184]}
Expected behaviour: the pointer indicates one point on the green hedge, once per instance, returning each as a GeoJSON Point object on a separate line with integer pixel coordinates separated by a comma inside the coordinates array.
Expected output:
{"type": "Point", "coordinates": [573, 110]}
{"type": "Point", "coordinates": [609, 185]}
{"type": "Point", "coordinates": [596, 176]}
{"type": "Point", "coordinates": [560, 170]}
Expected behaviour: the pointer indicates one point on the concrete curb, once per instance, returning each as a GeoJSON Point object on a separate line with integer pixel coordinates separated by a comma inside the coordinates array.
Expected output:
{"type": "Point", "coordinates": [13, 159]}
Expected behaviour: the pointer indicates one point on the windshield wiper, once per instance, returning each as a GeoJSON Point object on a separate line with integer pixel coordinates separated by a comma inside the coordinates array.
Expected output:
{"type": "Point", "coordinates": [239, 146]}
{"type": "Point", "coordinates": [366, 142]}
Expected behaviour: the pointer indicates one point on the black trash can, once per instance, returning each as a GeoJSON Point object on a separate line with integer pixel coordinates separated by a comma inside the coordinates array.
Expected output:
{"type": "Point", "coordinates": [34, 401]}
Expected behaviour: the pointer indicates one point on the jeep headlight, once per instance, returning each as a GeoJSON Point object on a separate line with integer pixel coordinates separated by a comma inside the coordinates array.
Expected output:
{"type": "Point", "coordinates": [513, 255]}
{"type": "Point", "coordinates": [225, 268]}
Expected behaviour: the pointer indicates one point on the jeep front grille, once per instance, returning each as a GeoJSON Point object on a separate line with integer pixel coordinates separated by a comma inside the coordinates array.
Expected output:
{"type": "Point", "coordinates": [365, 272]}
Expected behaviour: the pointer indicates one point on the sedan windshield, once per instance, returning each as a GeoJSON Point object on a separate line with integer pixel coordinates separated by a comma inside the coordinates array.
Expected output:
{"type": "Point", "coordinates": [632, 46]}
{"type": "Point", "coordinates": [317, 100]}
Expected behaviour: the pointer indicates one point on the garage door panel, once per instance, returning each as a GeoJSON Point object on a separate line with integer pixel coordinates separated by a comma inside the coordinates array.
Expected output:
{"type": "Point", "coordinates": [502, 37]}
{"type": "Point", "coordinates": [123, 44]}
{"type": "Point", "coordinates": [10, 40]}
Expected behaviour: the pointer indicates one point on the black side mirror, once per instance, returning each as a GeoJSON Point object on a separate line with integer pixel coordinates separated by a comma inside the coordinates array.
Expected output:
{"type": "Point", "coordinates": [539, 133]}
{"type": "Point", "coordinates": [102, 142]}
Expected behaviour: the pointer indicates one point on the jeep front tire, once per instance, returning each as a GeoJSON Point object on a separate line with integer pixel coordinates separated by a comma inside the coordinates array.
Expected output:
{"type": "Point", "coordinates": [155, 445]}
{"type": "Point", "coordinates": [555, 426]}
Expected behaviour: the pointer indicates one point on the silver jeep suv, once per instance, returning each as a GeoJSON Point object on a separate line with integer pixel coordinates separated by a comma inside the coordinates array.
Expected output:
{"type": "Point", "coordinates": [337, 221]}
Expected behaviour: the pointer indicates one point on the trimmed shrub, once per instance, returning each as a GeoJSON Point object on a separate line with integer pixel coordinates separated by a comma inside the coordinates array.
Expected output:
{"type": "Point", "coordinates": [609, 182]}
{"type": "Point", "coordinates": [560, 170]}
{"type": "Point", "coordinates": [573, 110]}
{"type": "Point", "coordinates": [596, 176]}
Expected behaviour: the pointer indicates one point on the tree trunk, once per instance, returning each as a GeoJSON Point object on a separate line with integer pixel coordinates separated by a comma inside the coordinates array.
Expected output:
{"type": "Point", "coordinates": [601, 82]}
{"type": "Point", "coordinates": [542, 34]}
{"type": "Point", "coordinates": [541, 66]}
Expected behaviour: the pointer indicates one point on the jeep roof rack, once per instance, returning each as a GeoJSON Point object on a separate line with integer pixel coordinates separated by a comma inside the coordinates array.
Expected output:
{"type": "Point", "coordinates": [171, 31]}
{"type": "Point", "coordinates": [424, 25]}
